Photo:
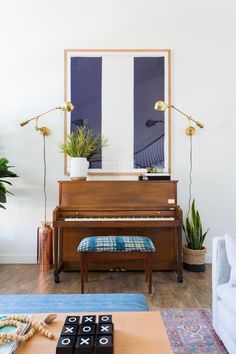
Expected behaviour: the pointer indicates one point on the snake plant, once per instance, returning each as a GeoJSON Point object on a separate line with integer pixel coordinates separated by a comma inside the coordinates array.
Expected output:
{"type": "Point", "coordinates": [193, 229]}
{"type": "Point", "coordinates": [4, 172]}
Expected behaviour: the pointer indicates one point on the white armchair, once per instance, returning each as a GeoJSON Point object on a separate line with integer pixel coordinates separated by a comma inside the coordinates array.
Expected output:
{"type": "Point", "coordinates": [223, 296]}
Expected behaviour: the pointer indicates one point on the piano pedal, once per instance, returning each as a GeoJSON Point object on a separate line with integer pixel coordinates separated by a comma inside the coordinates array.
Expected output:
{"type": "Point", "coordinates": [117, 269]}
{"type": "Point", "coordinates": [120, 269]}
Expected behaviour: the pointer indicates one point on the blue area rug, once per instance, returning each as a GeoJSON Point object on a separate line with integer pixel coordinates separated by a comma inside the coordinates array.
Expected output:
{"type": "Point", "coordinates": [72, 303]}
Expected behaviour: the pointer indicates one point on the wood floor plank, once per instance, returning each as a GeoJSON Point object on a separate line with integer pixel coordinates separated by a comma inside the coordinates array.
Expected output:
{"type": "Point", "coordinates": [194, 292]}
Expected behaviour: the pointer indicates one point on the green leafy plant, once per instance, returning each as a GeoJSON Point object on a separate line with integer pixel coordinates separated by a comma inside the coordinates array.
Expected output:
{"type": "Point", "coordinates": [4, 172]}
{"type": "Point", "coordinates": [193, 229]}
{"type": "Point", "coordinates": [83, 142]}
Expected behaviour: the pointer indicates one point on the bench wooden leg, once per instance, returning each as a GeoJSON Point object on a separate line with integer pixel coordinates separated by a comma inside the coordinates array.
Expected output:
{"type": "Point", "coordinates": [83, 262]}
{"type": "Point", "coordinates": [146, 268]}
{"type": "Point", "coordinates": [149, 271]}
{"type": "Point", "coordinates": [86, 270]}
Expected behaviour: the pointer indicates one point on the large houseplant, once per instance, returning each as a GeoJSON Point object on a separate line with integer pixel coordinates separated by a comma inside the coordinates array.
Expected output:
{"type": "Point", "coordinates": [80, 145]}
{"type": "Point", "coordinates": [194, 251]}
{"type": "Point", "coordinates": [4, 173]}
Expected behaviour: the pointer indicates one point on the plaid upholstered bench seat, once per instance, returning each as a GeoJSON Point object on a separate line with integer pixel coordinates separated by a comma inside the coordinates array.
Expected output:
{"type": "Point", "coordinates": [135, 246]}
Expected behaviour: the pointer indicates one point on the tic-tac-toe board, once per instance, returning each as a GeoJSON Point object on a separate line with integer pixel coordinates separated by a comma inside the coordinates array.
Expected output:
{"type": "Point", "coordinates": [86, 335]}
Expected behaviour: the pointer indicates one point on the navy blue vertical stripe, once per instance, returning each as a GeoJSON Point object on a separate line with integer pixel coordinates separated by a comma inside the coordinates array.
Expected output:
{"type": "Point", "coordinates": [149, 85]}
{"type": "Point", "coordinates": [86, 94]}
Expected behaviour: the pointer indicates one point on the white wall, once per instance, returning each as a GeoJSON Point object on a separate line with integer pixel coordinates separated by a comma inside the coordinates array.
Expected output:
{"type": "Point", "coordinates": [33, 35]}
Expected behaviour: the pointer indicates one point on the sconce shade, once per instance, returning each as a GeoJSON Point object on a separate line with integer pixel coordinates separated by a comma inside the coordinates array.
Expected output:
{"type": "Point", "coordinates": [160, 106]}
{"type": "Point", "coordinates": [67, 107]}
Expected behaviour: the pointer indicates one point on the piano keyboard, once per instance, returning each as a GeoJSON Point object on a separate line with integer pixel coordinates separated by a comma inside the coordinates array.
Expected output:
{"type": "Point", "coordinates": [155, 218]}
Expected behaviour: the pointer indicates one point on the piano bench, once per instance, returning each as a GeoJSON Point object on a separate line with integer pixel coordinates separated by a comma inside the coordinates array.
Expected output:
{"type": "Point", "coordinates": [136, 246]}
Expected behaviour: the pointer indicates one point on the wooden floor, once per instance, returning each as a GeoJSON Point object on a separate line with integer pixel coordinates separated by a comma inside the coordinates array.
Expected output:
{"type": "Point", "coordinates": [195, 291]}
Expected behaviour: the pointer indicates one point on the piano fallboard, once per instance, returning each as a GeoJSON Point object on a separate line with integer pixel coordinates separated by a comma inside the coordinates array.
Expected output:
{"type": "Point", "coordinates": [123, 224]}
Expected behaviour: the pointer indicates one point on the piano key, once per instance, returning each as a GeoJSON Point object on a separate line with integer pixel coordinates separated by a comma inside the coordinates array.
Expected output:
{"type": "Point", "coordinates": [120, 219]}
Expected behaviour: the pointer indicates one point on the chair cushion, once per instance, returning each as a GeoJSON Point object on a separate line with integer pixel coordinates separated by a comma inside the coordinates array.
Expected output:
{"type": "Point", "coordinates": [230, 242]}
{"type": "Point", "coordinates": [226, 329]}
{"type": "Point", "coordinates": [116, 244]}
{"type": "Point", "coordinates": [227, 294]}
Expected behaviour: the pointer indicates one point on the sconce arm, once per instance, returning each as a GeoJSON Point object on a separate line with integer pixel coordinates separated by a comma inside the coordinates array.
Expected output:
{"type": "Point", "coordinates": [199, 124]}
{"type": "Point", "coordinates": [66, 107]}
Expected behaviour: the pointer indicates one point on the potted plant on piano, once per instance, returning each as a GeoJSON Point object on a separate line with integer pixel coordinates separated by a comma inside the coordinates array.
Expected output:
{"type": "Point", "coordinates": [194, 251]}
{"type": "Point", "coordinates": [81, 145]}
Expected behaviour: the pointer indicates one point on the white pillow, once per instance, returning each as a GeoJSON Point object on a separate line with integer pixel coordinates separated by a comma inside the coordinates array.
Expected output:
{"type": "Point", "coordinates": [230, 242]}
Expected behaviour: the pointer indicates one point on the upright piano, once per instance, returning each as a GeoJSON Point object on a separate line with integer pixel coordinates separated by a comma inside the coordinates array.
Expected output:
{"type": "Point", "coordinates": [142, 208]}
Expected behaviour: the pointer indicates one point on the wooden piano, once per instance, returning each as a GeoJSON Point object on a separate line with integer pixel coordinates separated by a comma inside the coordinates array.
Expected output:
{"type": "Point", "coordinates": [142, 208]}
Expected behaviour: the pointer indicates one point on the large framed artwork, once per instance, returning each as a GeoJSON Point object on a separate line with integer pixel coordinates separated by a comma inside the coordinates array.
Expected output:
{"type": "Point", "coordinates": [114, 91]}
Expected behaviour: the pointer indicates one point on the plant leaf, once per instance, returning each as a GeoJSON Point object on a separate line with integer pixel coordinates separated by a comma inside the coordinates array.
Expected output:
{"type": "Point", "coordinates": [193, 229]}
{"type": "Point", "coordinates": [4, 172]}
{"type": "Point", "coordinates": [83, 142]}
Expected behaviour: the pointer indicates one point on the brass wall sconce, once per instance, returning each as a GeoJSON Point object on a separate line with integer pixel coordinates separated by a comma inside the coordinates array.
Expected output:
{"type": "Point", "coordinates": [190, 130]}
{"type": "Point", "coordinates": [45, 131]}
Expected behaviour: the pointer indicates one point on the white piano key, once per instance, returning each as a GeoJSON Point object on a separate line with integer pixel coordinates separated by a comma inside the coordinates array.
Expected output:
{"type": "Point", "coordinates": [98, 219]}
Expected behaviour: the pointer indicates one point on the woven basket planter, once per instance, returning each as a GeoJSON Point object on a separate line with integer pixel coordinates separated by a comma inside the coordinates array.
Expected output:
{"type": "Point", "coordinates": [194, 260]}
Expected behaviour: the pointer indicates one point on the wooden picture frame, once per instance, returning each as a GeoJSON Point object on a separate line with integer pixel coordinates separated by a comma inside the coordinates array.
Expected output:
{"type": "Point", "coordinates": [128, 83]}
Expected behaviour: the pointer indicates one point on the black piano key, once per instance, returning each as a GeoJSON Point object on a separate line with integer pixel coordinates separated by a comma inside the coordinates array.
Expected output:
{"type": "Point", "coordinates": [65, 345]}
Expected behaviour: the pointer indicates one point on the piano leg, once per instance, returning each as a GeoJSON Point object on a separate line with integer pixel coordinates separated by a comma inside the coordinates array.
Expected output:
{"type": "Point", "coordinates": [55, 253]}
{"type": "Point", "coordinates": [178, 232]}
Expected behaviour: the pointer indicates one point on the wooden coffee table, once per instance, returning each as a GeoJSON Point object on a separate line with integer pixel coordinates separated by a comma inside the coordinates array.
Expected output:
{"type": "Point", "coordinates": [134, 333]}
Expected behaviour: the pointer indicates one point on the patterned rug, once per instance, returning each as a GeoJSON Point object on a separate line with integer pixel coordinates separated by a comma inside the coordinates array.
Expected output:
{"type": "Point", "coordinates": [190, 331]}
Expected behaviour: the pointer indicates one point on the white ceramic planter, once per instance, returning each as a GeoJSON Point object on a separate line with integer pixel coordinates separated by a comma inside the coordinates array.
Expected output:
{"type": "Point", "coordinates": [78, 168]}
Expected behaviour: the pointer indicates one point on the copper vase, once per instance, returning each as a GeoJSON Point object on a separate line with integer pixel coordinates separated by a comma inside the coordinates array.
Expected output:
{"type": "Point", "coordinates": [45, 247]}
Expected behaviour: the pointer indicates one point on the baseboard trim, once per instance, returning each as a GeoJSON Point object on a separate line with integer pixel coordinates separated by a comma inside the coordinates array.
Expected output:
{"type": "Point", "coordinates": [18, 258]}
{"type": "Point", "coordinates": [208, 258]}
